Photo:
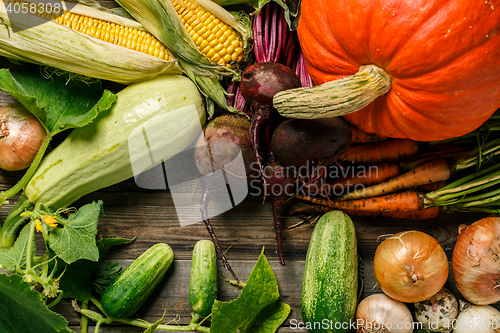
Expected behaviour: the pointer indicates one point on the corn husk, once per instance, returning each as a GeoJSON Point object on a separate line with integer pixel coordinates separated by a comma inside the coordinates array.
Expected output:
{"type": "Point", "coordinates": [161, 20]}
{"type": "Point", "coordinates": [40, 41]}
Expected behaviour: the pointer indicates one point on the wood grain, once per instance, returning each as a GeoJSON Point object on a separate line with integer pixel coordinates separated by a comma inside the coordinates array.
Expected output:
{"type": "Point", "coordinates": [150, 216]}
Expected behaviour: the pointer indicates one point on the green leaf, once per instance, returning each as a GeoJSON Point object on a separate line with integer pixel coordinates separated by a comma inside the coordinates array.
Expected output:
{"type": "Point", "coordinates": [269, 319]}
{"type": "Point", "coordinates": [16, 255]}
{"type": "Point", "coordinates": [76, 238]}
{"type": "Point", "coordinates": [58, 101]}
{"type": "Point", "coordinates": [22, 309]}
{"type": "Point", "coordinates": [152, 328]}
{"type": "Point", "coordinates": [260, 291]}
{"type": "Point", "coordinates": [77, 280]}
{"type": "Point", "coordinates": [105, 276]}
{"type": "Point", "coordinates": [108, 242]}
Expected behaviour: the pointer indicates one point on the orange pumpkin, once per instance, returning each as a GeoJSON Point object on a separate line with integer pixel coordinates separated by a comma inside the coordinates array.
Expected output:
{"type": "Point", "coordinates": [443, 59]}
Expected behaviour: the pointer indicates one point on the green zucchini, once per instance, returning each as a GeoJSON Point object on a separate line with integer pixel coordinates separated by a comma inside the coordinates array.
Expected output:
{"type": "Point", "coordinates": [330, 282]}
{"type": "Point", "coordinates": [203, 282]}
{"type": "Point", "coordinates": [114, 147]}
{"type": "Point", "coordinates": [124, 296]}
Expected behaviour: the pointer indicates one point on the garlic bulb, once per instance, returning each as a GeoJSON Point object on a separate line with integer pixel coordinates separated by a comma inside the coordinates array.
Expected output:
{"type": "Point", "coordinates": [477, 319]}
{"type": "Point", "coordinates": [379, 313]}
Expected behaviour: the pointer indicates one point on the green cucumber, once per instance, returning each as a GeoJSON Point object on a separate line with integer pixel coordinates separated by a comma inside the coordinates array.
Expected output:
{"type": "Point", "coordinates": [124, 296]}
{"type": "Point", "coordinates": [151, 121]}
{"type": "Point", "coordinates": [203, 282]}
{"type": "Point", "coordinates": [330, 282]}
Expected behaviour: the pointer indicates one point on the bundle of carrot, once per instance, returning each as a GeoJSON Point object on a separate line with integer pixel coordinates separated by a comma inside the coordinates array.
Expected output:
{"type": "Point", "coordinates": [398, 180]}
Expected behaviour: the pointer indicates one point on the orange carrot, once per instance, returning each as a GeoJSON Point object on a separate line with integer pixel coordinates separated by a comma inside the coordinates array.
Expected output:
{"type": "Point", "coordinates": [387, 150]}
{"type": "Point", "coordinates": [420, 159]}
{"type": "Point", "coordinates": [360, 136]}
{"type": "Point", "coordinates": [432, 186]}
{"type": "Point", "coordinates": [398, 202]}
{"type": "Point", "coordinates": [365, 176]}
{"type": "Point", "coordinates": [422, 214]}
{"type": "Point", "coordinates": [430, 172]}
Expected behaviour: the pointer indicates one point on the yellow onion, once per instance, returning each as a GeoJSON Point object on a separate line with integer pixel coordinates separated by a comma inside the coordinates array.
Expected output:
{"type": "Point", "coordinates": [410, 266]}
{"type": "Point", "coordinates": [380, 313]}
{"type": "Point", "coordinates": [21, 135]}
{"type": "Point", "coordinates": [476, 261]}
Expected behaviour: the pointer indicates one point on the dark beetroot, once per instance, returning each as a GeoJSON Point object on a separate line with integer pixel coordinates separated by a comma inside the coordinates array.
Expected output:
{"type": "Point", "coordinates": [225, 137]}
{"type": "Point", "coordinates": [259, 83]}
{"type": "Point", "coordinates": [306, 143]}
{"type": "Point", "coordinates": [223, 140]}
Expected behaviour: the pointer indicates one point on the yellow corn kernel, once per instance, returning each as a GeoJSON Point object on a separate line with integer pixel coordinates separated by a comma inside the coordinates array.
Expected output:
{"type": "Point", "coordinates": [108, 31]}
{"type": "Point", "coordinates": [213, 37]}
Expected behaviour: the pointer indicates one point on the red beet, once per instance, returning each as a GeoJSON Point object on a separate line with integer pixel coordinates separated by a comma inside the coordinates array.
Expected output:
{"type": "Point", "coordinates": [259, 83]}
{"type": "Point", "coordinates": [306, 143]}
{"type": "Point", "coordinates": [224, 138]}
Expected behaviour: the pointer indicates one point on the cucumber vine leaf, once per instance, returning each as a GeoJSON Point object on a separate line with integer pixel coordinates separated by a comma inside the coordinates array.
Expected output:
{"type": "Point", "coordinates": [58, 101]}
{"type": "Point", "coordinates": [76, 239]}
{"type": "Point", "coordinates": [16, 255]}
{"type": "Point", "coordinates": [22, 306]}
{"type": "Point", "coordinates": [257, 309]}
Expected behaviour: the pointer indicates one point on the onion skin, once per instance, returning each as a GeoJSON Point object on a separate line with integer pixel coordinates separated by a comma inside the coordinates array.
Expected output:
{"type": "Point", "coordinates": [477, 319]}
{"type": "Point", "coordinates": [476, 261]}
{"type": "Point", "coordinates": [21, 136]}
{"type": "Point", "coordinates": [410, 266]}
{"type": "Point", "coordinates": [375, 311]}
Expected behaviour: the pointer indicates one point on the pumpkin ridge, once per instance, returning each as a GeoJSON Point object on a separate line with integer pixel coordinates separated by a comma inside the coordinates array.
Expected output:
{"type": "Point", "coordinates": [409, 37]}
{"type": "Point", "coordinates": [432, 36]}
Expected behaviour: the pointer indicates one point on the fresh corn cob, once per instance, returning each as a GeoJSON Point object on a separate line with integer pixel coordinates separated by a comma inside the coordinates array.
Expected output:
{"type": "Point", "coordinates": [161, 19]}
{"type": "Point", "coordinates": [86, 41]}
{"type": "Point", "coordinates": [197, 31]}
{"type": "Point", "coordinates": [131, 38]}
{"type": "Point", "coordinates": [214, 38]}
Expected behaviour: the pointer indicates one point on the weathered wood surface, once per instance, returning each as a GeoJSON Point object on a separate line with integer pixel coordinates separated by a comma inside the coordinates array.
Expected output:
{"type": "Point", "coordinates": [151, 217]}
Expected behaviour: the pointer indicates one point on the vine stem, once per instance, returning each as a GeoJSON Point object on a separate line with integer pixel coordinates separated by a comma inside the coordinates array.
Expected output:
{"type": "Point", "coordinates": [192, 327]}
{"type": "Point", "coordinates": [29, 173]}
{"type": "Point", "coordinates": [85, 320]}
{"type": "Point", "coordinates": [31, 235]}
{"type": "Point", "coordinates": [56, 301]}
{"type": "Point", "coordinates": [162, 327]}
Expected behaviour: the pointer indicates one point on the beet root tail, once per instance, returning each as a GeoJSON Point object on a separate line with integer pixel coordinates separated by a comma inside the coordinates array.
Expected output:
{"type": "Point", "coordinates": [219, 249]}
{"type": "Point", "coordinates": [275, 202]}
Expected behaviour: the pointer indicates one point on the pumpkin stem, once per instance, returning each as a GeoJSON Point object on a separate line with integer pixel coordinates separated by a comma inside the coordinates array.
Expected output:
{"type": "Point", "coordinates": [334, 98]}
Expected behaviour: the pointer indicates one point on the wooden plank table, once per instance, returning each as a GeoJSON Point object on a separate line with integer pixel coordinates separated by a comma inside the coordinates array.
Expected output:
{"type": "Point", "coordinates": [150, 217]}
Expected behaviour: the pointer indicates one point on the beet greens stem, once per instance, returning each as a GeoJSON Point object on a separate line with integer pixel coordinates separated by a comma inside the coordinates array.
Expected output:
{"type": "Point", "coordinates": [257, 33]}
